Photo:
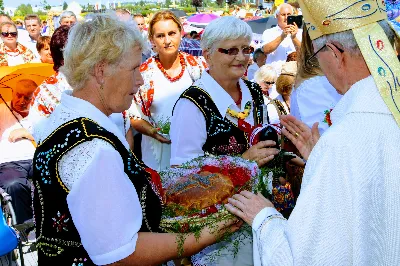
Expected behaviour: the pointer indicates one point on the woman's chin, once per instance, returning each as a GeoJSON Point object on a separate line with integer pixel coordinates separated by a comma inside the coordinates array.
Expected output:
{"type": "Point", "coordinates": [169, 51]}
{"type": "Point", "coordinates": [237, 74]}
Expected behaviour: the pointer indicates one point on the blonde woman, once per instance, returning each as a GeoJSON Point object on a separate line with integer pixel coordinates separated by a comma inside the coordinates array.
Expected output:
{"type": "Point", "coordinates": [95, 202]}
{"type": "Point", "coordinates": [266, 78]}
{"type": "Point", "coordinates": [13, 53]}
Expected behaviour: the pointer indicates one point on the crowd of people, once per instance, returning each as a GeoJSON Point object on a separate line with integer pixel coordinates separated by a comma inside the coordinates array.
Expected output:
{"type": "Point", "coordinates": [80, 153]}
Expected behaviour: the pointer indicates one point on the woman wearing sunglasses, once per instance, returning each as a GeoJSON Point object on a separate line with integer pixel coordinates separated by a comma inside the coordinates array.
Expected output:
{"type": "Point", "coordinates": [266, 78]}
{"type": "Point", "coordinates": [13, 53]}
{"type": "Point", "coordinates": [166, 75]}
{"type": "Point", "coordinates": [217, 114]}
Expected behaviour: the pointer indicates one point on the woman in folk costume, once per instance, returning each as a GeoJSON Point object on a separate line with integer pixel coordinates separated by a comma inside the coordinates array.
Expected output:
{"type": "Point", "coordinates": [95, 203]}
{"type": "Point", "coordinates": [166, 75]}
{"type": "Point", "coordinates": [347, 212]}
{"type": "Point", "coordinates": [217, 114]}
{"type": "Point", "coordinates": [13, 53]}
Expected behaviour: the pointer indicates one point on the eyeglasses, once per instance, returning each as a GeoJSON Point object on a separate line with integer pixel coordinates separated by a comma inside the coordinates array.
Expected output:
{"type": "Point", "coordinates": [320, 49]}
{"type": "Point", "coordinates": [269, 82]}
{"type": "Point", "coordinates": [234, 51]}
{"type": "Point", "coordinates": [12, 34]}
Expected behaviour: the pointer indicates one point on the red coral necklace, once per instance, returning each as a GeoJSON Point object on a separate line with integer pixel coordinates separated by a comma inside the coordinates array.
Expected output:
{"type": "Point", "coordinates": [183, 65]}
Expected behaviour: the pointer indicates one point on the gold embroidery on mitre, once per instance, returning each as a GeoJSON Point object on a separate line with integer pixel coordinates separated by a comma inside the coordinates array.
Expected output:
{"type": "Point", "coordinates": [323, 17]}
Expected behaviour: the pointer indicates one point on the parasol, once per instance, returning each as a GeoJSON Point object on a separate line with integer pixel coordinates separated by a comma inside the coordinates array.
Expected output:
{"type": "Point", "coordinates": [179, 13]}
{"type": "Point", "coordinates": [9, 76]}
{"type": "Point", "coordinates": [260, 25]}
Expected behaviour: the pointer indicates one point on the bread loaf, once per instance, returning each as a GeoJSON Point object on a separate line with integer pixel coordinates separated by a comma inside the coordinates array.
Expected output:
{"type": "Point", "coordinates": [199, 191]}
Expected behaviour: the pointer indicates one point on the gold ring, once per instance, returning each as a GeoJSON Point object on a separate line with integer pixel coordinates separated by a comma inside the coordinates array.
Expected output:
{"type": "Point", "coordinates": [296, 134]}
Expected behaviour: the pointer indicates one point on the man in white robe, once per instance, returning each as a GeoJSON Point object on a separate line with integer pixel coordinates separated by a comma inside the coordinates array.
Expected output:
{"type": "Point", "coordinates": [348, 209]}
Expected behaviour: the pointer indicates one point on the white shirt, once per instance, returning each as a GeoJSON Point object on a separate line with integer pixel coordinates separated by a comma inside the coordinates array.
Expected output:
{"type": "Point", "coordinates": [23, 37]}
{"type": "Point", "coordinates": [155, 154]}
{"type": "Point", "coordinates": [14, 60]}
{"type": "Point", "coordinates": [103, 202]}
{"type": "Point", "coordinates": [48, 95]}
{"type": "Point", "coordinates": [188, 125]}
{"type": "Point", "coordinates": [13, 151]}
{"type": "Point", "coordinates": [252, 70]}
{"type": "Point", "coordinates": [188, 135]}
{"type": "Point", "coordinates": [348, 209]}
{"type": "Point", "coordinates": [278, 57]}
{"type": "Point", "coordinates": [31, 45]}
{"type": "Point", "coordinates": [312, 99]}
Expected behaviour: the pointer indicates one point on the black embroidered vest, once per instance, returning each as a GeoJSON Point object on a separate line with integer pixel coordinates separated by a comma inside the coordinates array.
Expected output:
{"type": "Point", "coordinates": [58, 240]}
{"type": "Point", "coordinates": [223, 136]}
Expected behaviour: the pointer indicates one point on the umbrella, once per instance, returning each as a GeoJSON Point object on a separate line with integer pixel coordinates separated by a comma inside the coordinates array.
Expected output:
{"type": "Point", "coordinates": [9, 76]}
{"type": "Point", "coordinates": [260, 25]}
{"type": "Point", "coordinates": [179, 13]}
{"type": "Point", "coordinates": [202, 18]}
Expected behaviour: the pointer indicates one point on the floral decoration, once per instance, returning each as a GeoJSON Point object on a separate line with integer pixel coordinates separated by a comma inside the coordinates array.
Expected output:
{"type": "Point", "coordinates": [244, 175]}
{"type": "Point", "coordinates": [144, 97]}
{"type": "Point", "coordinates": [241, 115]}
{"type": "Point", "coordinates": [327, 118]}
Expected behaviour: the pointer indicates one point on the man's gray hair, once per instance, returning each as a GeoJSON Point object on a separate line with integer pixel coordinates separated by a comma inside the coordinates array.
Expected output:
{"type": "Point", "coordinates": [67, 14]}
{"type": "Point", "coordinates": [222, 29]}
{"type": "Point", "coordinates": [104, 38]}
{"type": "Point", "coordinates": [278, 9]}
{"type": "Point", "coordinates": [348, 41]}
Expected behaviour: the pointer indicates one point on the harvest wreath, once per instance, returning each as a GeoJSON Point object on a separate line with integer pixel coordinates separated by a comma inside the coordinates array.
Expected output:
{"type": "Point", "coordinates": [197, 191]}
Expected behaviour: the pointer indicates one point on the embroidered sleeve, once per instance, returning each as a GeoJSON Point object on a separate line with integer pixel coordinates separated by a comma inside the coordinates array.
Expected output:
{"type": "Point", "coordinates": [143, 99]}
{"type": "Point", "coordinates": [3, 59]}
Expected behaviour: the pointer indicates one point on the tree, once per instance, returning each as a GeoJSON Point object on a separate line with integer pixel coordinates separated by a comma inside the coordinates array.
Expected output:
{"type": "Point", "coordinates": [168, 3]}
{"type": "Point", "coordinates": [65, 5]}
{"type": "Point", "coordinates": [1, 5]}
{"type": "Point", "coordinates": [220, 2]}
{"type": "Point", "coordinates": [197, 3]}
{"type": "Point", "coordinates": [45, 5]}
{"type": "Point", "coordinates": [23, 10]}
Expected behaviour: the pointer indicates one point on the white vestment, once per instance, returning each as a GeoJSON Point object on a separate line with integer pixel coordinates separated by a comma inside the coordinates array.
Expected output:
{"type": "Point", "coordinates": [348, 209]}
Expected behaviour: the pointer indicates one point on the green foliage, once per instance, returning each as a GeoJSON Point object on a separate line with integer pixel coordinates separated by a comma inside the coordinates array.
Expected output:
{"type": "Point", "coordinates": [165, 125]}
{"type": "Point", "coordinates": [65, 5]}
{"type": "Point", "coordinates": [168, 3]}
{"type": "Point", "coordinates": [189, 9]}
{"type": "Point", "coordinates": [220, 3]}
{"type": "Point", "coordinates": [1, 5]}
{"type": "Point", "coordinates": [278, 168]}
{"type": "Point", "coordinates": [212, 4]}
{"type": "Point", "coordinates": [23, 10]}
{"type": "Point", "coordinates": [42, 15]}
{"type": "Point", "coordinates": [45, 5]}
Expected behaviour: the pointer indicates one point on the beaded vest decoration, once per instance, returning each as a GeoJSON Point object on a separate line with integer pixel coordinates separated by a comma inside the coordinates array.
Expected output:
{"type": "Point", "coordinates": [58, 240]}
{"type": "Point", "coordinates": [223, 136]}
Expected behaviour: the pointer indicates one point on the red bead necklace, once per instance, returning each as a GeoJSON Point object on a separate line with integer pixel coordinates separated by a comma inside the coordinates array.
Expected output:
{"type": "Point", "coordinates": [181, 61]}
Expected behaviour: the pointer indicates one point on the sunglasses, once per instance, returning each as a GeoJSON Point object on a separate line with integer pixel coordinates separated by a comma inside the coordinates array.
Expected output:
{"type": "Point", "coordinates": [269, 82]}
{"type": "Point", "coordinates": [234, 51]}
{"type": "Point", "coordinates": [12, 34]}
{"type": "Point", "coordinates": [319, 50]}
